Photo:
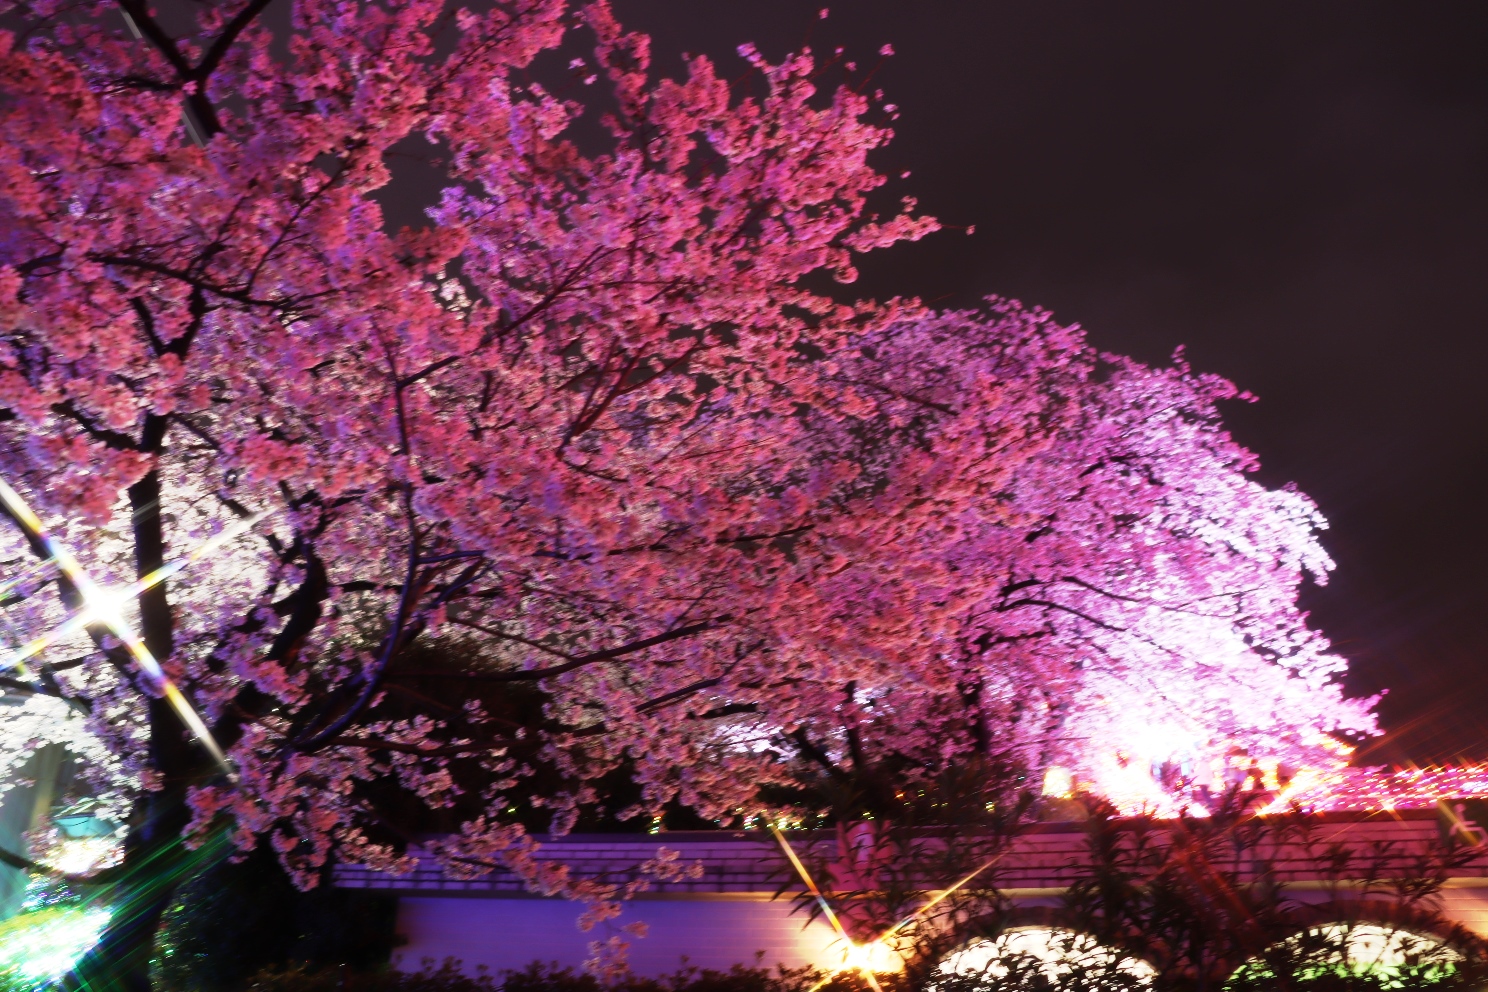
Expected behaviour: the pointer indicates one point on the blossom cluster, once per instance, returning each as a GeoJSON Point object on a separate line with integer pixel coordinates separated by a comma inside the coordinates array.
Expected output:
{"type": "Point", "coordinates": [596, 473]}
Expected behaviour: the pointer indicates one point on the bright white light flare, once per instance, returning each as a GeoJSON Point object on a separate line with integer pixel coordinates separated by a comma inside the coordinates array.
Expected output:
{"type": "Point", "coordinates": [105, 606]}
{"type": "Point", "coordinates": [43, 945]}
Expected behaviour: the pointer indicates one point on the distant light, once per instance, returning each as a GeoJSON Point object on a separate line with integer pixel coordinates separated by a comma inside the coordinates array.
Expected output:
{"type": "Point", "coordinates": [106, 606]}
{"type": "Point", "coordinates": [1059, 782]}
{"type": "Point", "coordinates": [84, 855]}
{"type": "Point", "coordinates": [874, 957]}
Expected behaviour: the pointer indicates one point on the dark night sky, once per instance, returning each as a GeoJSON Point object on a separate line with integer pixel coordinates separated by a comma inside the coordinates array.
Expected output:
{"type": "Point", "coordinates": [1297, 192]}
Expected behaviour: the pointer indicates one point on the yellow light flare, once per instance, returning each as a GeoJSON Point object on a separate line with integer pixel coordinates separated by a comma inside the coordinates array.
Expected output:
{"type": "Point", "coordinates": [1304, 779]}
{"type": "Point", "coordinates": [1059, 782]}
{"type": "Point", "coordinates": [866, 958]}
{"type": "Point", "coordinates": [1330, 743]}
{"type": "Point", "coordinates": [856, 957]}
{"type": "Point", "coordinates": [106, 606]}
{"type": "Point", "coordinates": [936, 900]}
{"type": "Point", "coordinates": [93, 609]}
{"type": "Point", "coordinates": [202, 550]}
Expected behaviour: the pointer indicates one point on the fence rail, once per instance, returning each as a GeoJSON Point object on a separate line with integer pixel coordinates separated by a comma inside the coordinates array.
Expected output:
{"type": "Point", "coordinates": [1045, 856]}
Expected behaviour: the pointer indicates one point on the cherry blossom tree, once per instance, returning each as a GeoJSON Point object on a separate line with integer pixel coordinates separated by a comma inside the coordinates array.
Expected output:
{"type": "Point", "coordinates": [1072, 544]}
{"type": "Point", "coordinates": [600, 440]}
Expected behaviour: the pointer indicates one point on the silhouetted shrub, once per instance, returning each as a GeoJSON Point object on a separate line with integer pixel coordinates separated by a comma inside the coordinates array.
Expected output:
{"type": "Point", "coordinates": [236, 920]}
{"type": "Point", "coordinates": [536, 977]}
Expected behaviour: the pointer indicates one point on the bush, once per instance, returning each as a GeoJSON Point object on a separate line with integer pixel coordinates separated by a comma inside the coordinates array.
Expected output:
{"type": "Point", "coordinates": [536, 977]}
{"type": "Point", "coordinates": [237, 920]}
{"type": "Point", "coordinates": [303, 978]}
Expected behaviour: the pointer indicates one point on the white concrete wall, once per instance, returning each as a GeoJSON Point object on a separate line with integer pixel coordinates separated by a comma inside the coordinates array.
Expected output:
{"type": "Point", "coordinates": [712, 932]}
{"type": "Point", "coordinates": [704, 933]}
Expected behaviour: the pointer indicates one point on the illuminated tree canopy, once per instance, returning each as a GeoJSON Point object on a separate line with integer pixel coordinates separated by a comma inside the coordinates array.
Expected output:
{"type": "Point", "coordinates": [601, 431]}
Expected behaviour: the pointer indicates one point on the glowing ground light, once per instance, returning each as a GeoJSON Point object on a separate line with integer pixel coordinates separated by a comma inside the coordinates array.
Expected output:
{"type": "Point", "coordinates": [1054, 951]}
{"type": "Point", "coordinates": [106, 606]}
{"type": "Point", "coordinates": [84, 855]}
{"type": "Point", "coordinates": [41, 946]}
{"type": "Point", "coordinates": [1392, 957]}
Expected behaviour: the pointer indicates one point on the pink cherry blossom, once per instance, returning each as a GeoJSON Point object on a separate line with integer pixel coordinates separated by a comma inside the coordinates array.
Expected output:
{"type": "Point", "coordinates": [595, 424]}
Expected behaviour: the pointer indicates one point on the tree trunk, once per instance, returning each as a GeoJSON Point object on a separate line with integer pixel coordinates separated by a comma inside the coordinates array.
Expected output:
{"type": "Point", "coordinates": [156, 861]}
{"type": "Point", "coordinates": [155, 865]}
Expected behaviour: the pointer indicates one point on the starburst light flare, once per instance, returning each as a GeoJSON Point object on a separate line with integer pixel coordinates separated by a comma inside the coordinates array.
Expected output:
{"type": "Point", "coordinates": [106, 607]}
{"type": "Point", "coordinates": [935, 900]}
{"type": "Point", "coordinates": [857, 956]}
{"type": "Point", "coordinates": [860, 956]}
{"type": "Point", "coordinates": [92, 613]}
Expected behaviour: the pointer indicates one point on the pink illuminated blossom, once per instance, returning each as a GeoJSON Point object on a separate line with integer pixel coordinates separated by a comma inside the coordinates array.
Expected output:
{"type": "Point", "coordinates": [595, 425]}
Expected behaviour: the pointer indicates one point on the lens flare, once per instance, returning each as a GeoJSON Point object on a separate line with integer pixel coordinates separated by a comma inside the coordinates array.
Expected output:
{"type": "Point", "coordinates": [936, 900]}
{"type": "Point", "coordinates": [878, 954]}
{"type": "Point", "coordinates": [857, 957]}
{"type": "Point", "coordinates": [106, 606]}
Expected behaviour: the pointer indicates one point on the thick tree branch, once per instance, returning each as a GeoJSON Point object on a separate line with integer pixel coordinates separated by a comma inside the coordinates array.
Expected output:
{"type": "Point", "coordinates": [678, 694]}
{"type": "Point", "coordinates": [1062, 608]}
{"type": "Point", "coordinates": [236, 295]}
{"type": "Point", "coordinates": [139, 16]}
{"type": "Point", "coordinates": [48, 688]}
{"type": "Point", "coordinates": [404, 629]}
{"type": "Point", "coordinates": [230, 32]}
{"type": "Point", "coordinates": [816, 754]}
{"type": "Point", "coordinates": [445, 751]}
{"type": "Point", "coordinates": [535, 674]}
{"type": "Point", "coordinates": [117, 440]}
